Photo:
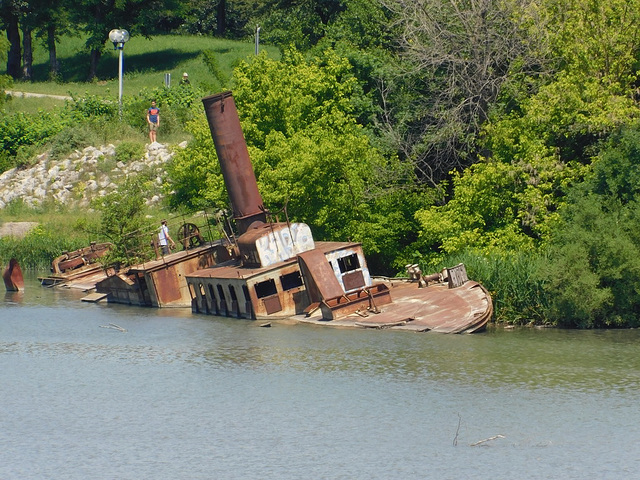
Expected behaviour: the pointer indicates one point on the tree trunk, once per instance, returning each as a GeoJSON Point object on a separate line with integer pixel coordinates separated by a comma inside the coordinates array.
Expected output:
{"type": "Point", "coordinates": [27, 54]}
{"type": "Point", "coordinates": [221, 17]}
{"type": "Point", "coordinates": [13, 35]}
{"type": "Point", "coordinates": [54, 67]}
{"type": "Point", "coordinates": [93, 66]}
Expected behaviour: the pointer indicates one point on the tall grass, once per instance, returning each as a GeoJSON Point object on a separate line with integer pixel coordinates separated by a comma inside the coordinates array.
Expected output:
{"type": "Point", "coordinates": [511, 278]}
{"type": "Point", "coordinates": [58, 230]}
{"type": "Point", "coordinates": [36, 250]}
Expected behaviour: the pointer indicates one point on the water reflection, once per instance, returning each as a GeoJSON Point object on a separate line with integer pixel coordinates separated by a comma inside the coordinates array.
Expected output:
{"type": "Point", "coordinates": [223, 398]}
{"type": "Point", "coordinates": [527, 358]}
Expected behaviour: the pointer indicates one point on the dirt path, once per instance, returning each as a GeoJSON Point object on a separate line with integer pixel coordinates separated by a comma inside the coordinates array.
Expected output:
{"type": "Point", "coordinates": [16, 229]}
{"type": "Point", "coordinates": [15, 93]}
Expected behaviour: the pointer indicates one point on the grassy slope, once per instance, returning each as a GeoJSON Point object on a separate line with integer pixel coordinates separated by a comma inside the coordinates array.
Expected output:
{"type": "Point", "coordinates": [145, 63]}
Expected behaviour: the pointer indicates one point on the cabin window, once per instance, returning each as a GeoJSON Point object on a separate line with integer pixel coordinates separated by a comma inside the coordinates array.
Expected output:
{"type": "Point", "coordinates": [348, 263]}
{"type": "Point", "coordinates": [291, 280]}
{"type": "Point", "coordinates": [232, 292]}
{"type": "Point", "coordinates": [266, 288]}
{"type": "Point", "coordinates": [212, 296]}
{"type": "Point", "coordinates": [245, 291]}
{"type": "Point", "coordinates": [220, 292]}
{"type": "Point", "coordinates": [192, 291]}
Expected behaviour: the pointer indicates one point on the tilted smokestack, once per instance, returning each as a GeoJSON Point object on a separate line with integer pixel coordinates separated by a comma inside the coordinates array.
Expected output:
{"type": "Point", "coordinates": [235, 163]}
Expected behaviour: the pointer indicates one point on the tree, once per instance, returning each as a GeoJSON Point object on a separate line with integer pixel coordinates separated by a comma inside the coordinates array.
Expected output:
{"type": "Point", "coordinates": [592, 271]}
{"type": "Point", "coordinates": [27, 23]}
{"type": "Point", "coordinates": [123, 223]}
{"type": "Point", "coordinates": [596, 39]}
{"type": "Point", "coordinates": [310, 155]}
{"type": "Point", "coordinates": [297, 23]}
{"type": "Point", "coordinates": [99, 17]}
{"type": "Point", "coordinates": [9, 14]}
{"type": "Point", "coordinates": [51, 19]}
{"type": "Point", "coordinates": [223, 18]}
{"type": "Point", "coordinates": [5, 80]}
{"type": "Point", "coordinates": [538, 145]}
{"type": "Point", "coordinates": [456, 58]}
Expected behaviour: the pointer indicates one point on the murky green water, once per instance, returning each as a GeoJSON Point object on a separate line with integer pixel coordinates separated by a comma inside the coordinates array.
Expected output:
{"type": "Point", "coordinates": [179, 396]}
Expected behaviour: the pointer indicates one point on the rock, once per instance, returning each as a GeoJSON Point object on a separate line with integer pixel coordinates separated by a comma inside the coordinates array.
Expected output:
{"type": "Point", "coordinates": [55, 180]}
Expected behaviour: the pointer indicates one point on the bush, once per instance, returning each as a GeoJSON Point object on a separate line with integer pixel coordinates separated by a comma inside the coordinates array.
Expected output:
{"type": "Point", "coordinates": [73, 137]}
{"type": "Point", "coordinates": [122, 221]}
{"type": "Point", "coordinates": [593, 267]}
{"type": "Point", "coordinates": [127, 151]}
{"type": "Point", "coordinates": [91, 106]}
{"type": "Point", "coordinates": [22, 130]}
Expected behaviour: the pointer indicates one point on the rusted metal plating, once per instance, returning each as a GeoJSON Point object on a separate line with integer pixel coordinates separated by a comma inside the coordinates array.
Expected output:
{"type": "Point", "coordinates": [233, 156]}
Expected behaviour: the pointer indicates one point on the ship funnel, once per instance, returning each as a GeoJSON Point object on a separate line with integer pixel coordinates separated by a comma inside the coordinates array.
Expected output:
{"type": "Point", "coordinates": [233, 156]}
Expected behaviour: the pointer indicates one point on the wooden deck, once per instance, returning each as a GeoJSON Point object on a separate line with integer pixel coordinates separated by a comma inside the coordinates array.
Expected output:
{"type": "Point", "coordinates": [436, 308]}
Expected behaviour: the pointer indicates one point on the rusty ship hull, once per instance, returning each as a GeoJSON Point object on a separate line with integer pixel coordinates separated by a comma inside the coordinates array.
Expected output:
{"type": "Point", "coordinates": [12, 276]}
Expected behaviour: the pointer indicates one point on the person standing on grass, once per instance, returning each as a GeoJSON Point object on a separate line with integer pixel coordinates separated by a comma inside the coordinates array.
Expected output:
{"type": "Point", "coordinates": [153, 119]}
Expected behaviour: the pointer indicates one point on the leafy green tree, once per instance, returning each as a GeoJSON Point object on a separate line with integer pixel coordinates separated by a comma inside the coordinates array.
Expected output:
{"type": "Point", "coordinates": [122, 221]}
{"type": "Point", "coordinates": [51, 20]}
{"type": "Point", "coordinates": [596, 39]}
{"type": "Point", "coordinates": [592, 271]}
{"type": "Point", "coordinates": [6, 81]}
{"type": "Point", "coordinates": [296, 23]}
{"type": "Point", "coordinates": [98, 17]}
{"type": "Point", "coordinates": [9, 20]}
{"type": "Point", "coordinates": [310, 155]}
{"type": "Point", "coordinates": [195, 179]}
{"type": "Point", "coordinates": [223, 18]}
{"type": "Point", "coordinates": [539, 145]}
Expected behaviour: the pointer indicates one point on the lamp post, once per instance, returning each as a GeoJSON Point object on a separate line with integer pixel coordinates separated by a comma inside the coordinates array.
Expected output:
{"type": "Point", "coordinates": [257, 38]}
{"type": "Point", "coordinates": [119, 37]}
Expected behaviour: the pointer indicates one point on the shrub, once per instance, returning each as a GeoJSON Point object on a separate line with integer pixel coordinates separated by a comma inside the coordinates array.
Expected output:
{"type": "Point", "coordinates": [126, 151]}
{"type": "Point", "coordinates": [71, 138]}
{"type": "Point", "coordinates": [23, 130]}
{"type": "Point", "coordinates": [91, 106]}
{"type": "Point", "coordinates": [593, 267]}
{"type": "Point", "coordinates": [122, 221]}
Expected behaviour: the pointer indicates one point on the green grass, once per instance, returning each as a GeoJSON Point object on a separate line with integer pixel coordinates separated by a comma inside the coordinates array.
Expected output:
{"type": "Point", "coordinates": [145, 63]}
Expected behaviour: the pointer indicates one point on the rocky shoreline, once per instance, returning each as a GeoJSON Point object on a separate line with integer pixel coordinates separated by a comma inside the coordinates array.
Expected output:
{"type": "Point", "coordinates": [82, 176]}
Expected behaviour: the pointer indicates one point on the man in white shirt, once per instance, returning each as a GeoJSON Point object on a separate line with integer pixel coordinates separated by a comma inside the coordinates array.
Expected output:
{"type": "Point", "coordinates": [164, 239]}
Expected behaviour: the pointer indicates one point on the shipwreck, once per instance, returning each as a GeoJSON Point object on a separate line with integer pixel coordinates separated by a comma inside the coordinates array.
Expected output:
{"type": "Point", "coordinates": [276, 269]}
{"type": "Point", "coordinates": [81, 268]}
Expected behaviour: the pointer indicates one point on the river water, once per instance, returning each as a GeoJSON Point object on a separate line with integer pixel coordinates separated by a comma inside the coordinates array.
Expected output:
{"type": "Point", "coordinates": [182, 396]}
